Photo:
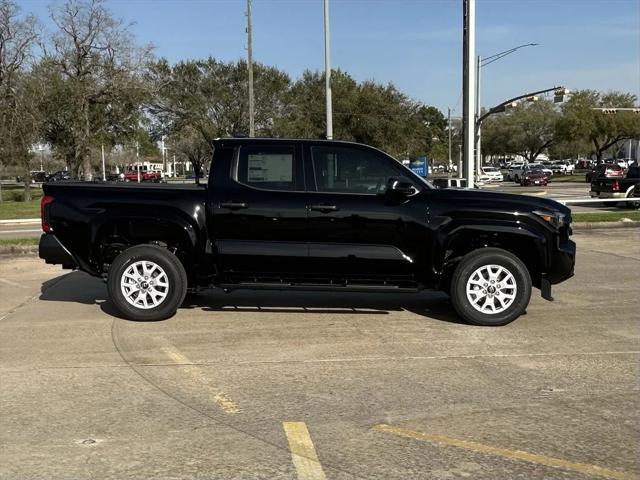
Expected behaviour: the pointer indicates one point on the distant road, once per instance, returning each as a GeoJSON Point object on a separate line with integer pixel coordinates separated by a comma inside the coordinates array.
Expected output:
{"type": "Point", "coordinates": [20, 231]}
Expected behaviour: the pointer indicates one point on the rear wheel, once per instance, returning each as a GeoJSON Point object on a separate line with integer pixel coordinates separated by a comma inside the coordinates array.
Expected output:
{"type": "Point", "coordinates": [490, 287]}
{"type": "Point", "coordinates": [147, 282]}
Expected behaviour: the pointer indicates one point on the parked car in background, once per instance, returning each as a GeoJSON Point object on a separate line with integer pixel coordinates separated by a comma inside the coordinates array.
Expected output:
{"type": "Point", "coordinates": [540, 166]}
{"type": "Point", "coordinates": [626, 187]}
{"type": "Point", "coordinates": [562, 167]}
{"type": "Point", "coordinates": [534, 176]}
{"type": "Point", "coordinates": [515, 172]}
{"type": "Point", "coordinates": [490, 174]}
{"type": "Point", "coordinates": [59, 176]}
{"type": "Point", "coordinates": [584, 163]}
{"type": "Point", "coordinates": [453, 182]}
{"type": "Point", "coordinates": [38, 176]}
{"type": "Point", "coordinates": [604, 170]}
{"type": "Point", "coordinates": [145, 176]}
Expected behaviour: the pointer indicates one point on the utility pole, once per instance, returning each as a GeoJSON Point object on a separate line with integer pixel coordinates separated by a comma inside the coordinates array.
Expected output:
{"type": "Point", "coordinates": [468, 88]}
{"type": "Point", "coordinates": [327, 72]}
{"type": "Point", "coordinates": [252, 127]}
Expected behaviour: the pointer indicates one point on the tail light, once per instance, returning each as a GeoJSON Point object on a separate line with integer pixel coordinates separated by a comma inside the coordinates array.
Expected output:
{"type": "Point", "coordinates": [46, 200]}
{"type": "Point", "coordinates": [615, 186]}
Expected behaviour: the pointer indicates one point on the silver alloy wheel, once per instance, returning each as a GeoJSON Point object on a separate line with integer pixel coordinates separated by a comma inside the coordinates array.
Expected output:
{"type": "Point", "coordinates": [491, 289]}
{"type": "Point", "coordinates": [144, 284]}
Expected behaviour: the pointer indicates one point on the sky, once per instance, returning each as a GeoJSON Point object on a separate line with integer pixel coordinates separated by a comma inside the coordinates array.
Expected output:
{"type": "Point", "coordinates": [414, 44]}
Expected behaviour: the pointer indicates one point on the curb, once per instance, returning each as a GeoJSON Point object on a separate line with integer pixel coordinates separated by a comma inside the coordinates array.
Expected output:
{"type": "Point", "coordinates": [20, 221]}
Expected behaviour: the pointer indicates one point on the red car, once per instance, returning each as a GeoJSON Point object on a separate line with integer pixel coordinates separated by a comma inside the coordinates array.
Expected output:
{"type": "Point", "coordinates": [534, 177]}
{"type": "Point", "coordinates": [605, 170]}
{"type": "Point", "coordinates": [145, 176]}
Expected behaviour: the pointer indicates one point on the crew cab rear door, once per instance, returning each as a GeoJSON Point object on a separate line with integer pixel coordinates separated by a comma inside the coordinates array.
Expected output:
{"type": "Point", "coordinates": [259, 212]}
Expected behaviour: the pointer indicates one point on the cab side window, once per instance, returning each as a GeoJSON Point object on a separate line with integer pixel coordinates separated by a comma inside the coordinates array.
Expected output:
{"type": "Point", "coordinates": [269, 167]}
{"type": "Point", "coordinates": [351, 170]}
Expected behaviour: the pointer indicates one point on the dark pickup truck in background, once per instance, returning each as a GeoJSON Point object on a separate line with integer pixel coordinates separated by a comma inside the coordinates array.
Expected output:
{"type": "Point", "coordinates": [308, 215]}
{"type": "Point", "coordinates": [625, 187]}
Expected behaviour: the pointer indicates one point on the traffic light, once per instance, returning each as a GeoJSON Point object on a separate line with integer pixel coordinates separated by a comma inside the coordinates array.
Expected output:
{"type": "Point", "coordinates": [533, 98]}
{"type": "Point", "coordinates": [609, 111]}
{"type": "Point", "coordinates": [559, 94]}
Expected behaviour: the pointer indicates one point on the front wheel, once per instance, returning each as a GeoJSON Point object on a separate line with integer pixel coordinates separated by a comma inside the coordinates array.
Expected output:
{"type": "Point", "coordinates": [147, 282]}
{"type": "Point", "coordinates": [490, 287]}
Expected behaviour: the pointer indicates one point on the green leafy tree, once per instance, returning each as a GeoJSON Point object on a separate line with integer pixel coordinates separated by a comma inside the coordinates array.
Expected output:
{"type": "Point", "coordinates": [580, 122]}
{"type": "Point", "coordinates": [527, 130]}
{"type": "Point", "coordinates": [210, 97]}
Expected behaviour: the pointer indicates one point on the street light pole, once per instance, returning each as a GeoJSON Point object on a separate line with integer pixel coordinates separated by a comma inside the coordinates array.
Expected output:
{"type": "Point", "coordinates": [449, 125]}
{"type": "Point", "coordinates": [327, 72]}
{"type": "Point", "coordinates": [469, 88]}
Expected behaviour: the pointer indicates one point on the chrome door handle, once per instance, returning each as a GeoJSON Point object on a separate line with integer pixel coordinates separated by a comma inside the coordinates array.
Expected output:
{"type": "Point", "coordinates": [233, 205]}
{"type": "Point", "coordinates": [323, 208]}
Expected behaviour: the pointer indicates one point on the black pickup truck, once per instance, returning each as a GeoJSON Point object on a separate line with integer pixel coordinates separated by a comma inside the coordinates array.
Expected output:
{"type": "Point", "coordinates": [308, 215]}
{"type": "Point", "coordinates": [626, 187]}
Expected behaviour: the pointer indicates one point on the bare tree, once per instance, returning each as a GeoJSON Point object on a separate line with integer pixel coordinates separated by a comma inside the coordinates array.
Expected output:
{"type": "Point", "coordinates": [93, 58]}
{"type": "Point", "coordinates": [18, 120]}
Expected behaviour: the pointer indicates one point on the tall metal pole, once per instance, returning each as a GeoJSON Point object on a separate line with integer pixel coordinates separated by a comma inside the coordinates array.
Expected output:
{"type": "Point", "coordinates": [104, 171]}
{"type": "Point", "coordinates": [449, 128]}
{"type": "Point", "coordinates": [138, 159]}
{"type": "Point", "coordinates": [252, 127]}
{"type": "Point", "coordinates": [469, 87]}
{"type": "Point", "coordinates": [164, 158]}
{"type": "Point", "coordinates": [327, 72]}
{"type": "Point", "coordinates": [478, 128]}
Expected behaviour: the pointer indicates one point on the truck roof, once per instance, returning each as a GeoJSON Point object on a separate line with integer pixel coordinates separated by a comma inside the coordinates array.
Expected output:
{"type": "Point", "coordinates": [277, 140]}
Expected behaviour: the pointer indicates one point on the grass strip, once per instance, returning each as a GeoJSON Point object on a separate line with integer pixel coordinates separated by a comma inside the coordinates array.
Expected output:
{"type": "Point", "coordinates": [13, 210]}
{"type": "Point", "coordinates": [591, 217]}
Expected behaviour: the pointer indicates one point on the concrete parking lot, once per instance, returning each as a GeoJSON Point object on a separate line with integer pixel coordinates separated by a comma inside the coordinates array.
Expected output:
{"type": "Point", "coordinates": [274, 385]}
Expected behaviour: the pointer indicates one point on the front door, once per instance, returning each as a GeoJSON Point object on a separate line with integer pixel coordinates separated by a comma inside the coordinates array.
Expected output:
{"type": "Point", "coordinates": [357, 233]}
{"type": "Point", "coordinates": [259, 213]}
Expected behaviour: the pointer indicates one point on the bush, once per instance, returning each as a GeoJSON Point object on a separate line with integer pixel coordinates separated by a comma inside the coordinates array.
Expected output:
{"type": "Point", "coordinates": [14, 195]}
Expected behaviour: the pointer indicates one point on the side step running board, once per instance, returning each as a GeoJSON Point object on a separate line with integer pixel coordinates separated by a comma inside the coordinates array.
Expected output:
{"type": "Point", "coordinates": [317, 287]}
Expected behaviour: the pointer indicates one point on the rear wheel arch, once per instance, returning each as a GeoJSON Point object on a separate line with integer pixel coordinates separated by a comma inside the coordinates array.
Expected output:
{"type": "Point", "coordinates": [112, 237]}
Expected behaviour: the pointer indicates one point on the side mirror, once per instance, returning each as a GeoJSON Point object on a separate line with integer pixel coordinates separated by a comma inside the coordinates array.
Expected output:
{"type": "Point", "coordinates": [400, 186]}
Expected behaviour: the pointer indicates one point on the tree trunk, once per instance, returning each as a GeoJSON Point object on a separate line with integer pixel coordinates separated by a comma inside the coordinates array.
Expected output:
{"type": "Point", "coordinates": [26, 180]}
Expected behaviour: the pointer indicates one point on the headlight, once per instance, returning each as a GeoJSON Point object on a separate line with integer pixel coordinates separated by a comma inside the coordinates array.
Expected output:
{"type": "Point", "coordinates": [556, 219]}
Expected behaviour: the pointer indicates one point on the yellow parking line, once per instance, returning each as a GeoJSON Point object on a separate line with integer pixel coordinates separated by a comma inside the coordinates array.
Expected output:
{"type": "Point", "coordinates": [303, 453]}
{"type": "Point", "coordinates": [220, 398]}
{"type": "Point", "coordinates": [583, 468]}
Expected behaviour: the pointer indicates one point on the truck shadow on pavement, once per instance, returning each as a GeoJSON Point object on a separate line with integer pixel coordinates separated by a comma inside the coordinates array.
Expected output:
{"type": "Point", "coordinates": [78, 287]}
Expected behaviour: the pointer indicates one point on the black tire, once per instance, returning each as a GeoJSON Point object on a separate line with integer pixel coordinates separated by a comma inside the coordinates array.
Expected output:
{"type": "Point", "coordinates": [466, 268]}
{"type": "Point", "coordinates": [634, 193]}
{"type": "Point", "coordinates": [176, 280]}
